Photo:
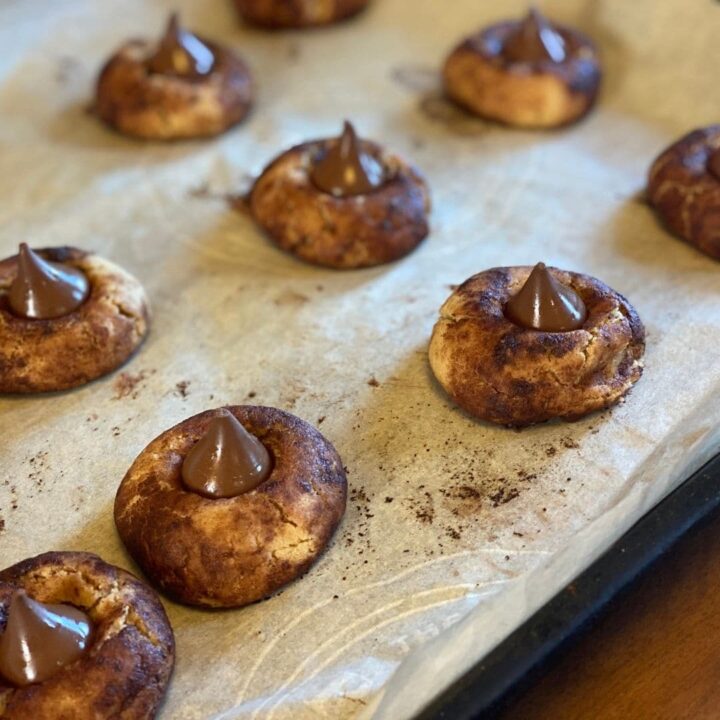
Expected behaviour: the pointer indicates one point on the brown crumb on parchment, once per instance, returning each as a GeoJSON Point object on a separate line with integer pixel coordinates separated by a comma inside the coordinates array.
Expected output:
{"type": "Point", "coordinates": [290, 298]}
{"type": "Point", "coordinates": [373, 382]}
{"type": "Point", "coordinates": [358, 533]}
{"type": "Point", "coordinates": [182, 389]}
{"type": "Point", "coordinates": [129, 385]}
{"type": "Point", "coordinates": [203, 192]}
{"type": "Point", "coordinates": [38, 465]}
{"type": "Point", "coordinates": [502, 496]}
{"type": "Point", "coordinates": [570, 444]}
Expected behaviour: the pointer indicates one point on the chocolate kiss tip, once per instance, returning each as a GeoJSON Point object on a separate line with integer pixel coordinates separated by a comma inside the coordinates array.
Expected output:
{"type": "Point", "coordinates": [545, 304]}
{"type": "Point", "coordinates": [345, 169]}
{"type": "Point", "coordinates": [535, 40]}
{"type": "Point", "coordinates": [181, 53]}
{"type": "Point", "coordinates": [226, 461]}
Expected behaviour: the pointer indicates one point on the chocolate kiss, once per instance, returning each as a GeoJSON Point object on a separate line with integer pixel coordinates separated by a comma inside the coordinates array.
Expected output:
{"type": "Point", "coordinates": [545, 304]}
{"type": "Point", "coordinates": [44, 289]}
{"type": "Point", "coordinates": [226, 461]}
{"type": "Point", "coordinates": [534, 40]}
{"type": "Point", "coordinates": [713, 164]}
{"type": "Point", "coordinates": [346, 170]}
{"type": "Point", "coordinates": [181, 53]}
{"type": "Point", "coordinates": [40, 639]}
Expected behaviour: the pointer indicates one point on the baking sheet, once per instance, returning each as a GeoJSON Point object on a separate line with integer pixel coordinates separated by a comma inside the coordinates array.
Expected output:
{"type": "Point", "coordinates": [455, 531]}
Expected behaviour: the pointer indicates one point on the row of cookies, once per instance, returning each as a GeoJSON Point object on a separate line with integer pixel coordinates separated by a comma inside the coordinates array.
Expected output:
{"type": "Point", "coordinates": [529, 73]}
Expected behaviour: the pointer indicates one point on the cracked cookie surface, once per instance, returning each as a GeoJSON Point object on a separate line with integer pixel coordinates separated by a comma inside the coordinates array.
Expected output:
{"type": "Point", "coordinates": [231, 552]}
{"type": "Point", "coordinates": [163, 107]}
{"type": "Point", "coordinates": [509, 375]}
{"type": "Point", "coordinates": [341, 232]}
{"type": "Point", "coordinates": [685, 193]}
{"type": "Point", "coordinates": [64, 352]}
{"type": "Point", "coordinates": [126, 669]}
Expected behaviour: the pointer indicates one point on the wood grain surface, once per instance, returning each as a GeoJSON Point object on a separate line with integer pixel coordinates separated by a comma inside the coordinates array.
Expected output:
{"type": "Point", "coordinates": [655, 655]}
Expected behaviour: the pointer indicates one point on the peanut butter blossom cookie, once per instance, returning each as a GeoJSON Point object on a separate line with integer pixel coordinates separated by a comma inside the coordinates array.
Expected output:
{"type": "Point", "coordinates": [182, 87]}
{"type": "Point", "coordinates": [66, 317]}
{"type": "Point", "coordinates": [342, 202]}
{"type": "Point", "coordinates": [230, 505]}
{"type": "Point", "coordinates": [521, 345]}
{"type": "Point", "coordinates": [684, 189]}
{"type": "Point", "coordinates": [80, 639]}
{"type": "Point", "coordinates": [529, 73]}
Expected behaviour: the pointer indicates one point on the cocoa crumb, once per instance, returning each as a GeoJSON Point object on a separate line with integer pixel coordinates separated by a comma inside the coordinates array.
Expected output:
{"type": "Point", "coordinates": [389, 499]}
{"type": "Point", "coordinates": [251, 394]}
{"type": "Point", "coordinates": [128, 385]}
{"type": "Point", "coordinates": [290, 297]}
{"type": "Point", "coordinates": [518, 534]}
{"type": "Point", "coordinates": [466, 492]}
{"type": "Point", "coordinates": [502, 496]}
{"type": "Point", "coordinates": [181, 388]}
{"type": "Point", "coordinates": [2, 524]}
{"type": "Point", "coordinates": [321, 420]}
{"type": "Point", "coordinates": [551, 451]}
{"type": "Point", "coordinates": [570, 444]}
{"type": "Point", "coordinates": [203, 192]}
{"type": "Point", "coordinates": [372, 382]}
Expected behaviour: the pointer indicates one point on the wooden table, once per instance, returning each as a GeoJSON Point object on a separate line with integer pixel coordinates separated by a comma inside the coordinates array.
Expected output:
{"type": "Point", "coordinates": [654, 655]}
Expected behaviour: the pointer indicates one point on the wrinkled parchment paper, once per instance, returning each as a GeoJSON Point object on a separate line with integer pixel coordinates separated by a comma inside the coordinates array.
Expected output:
{"type": "Point", "coordinates": [456, 531]}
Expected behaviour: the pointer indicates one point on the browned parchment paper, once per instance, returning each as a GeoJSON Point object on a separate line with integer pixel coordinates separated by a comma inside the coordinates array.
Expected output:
{"type": "Point", "coordinates": [456, 531]}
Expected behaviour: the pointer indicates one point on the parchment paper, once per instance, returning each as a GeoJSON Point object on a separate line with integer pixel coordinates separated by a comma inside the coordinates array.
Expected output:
{"type": "Point", "coordinates": [456, 531]}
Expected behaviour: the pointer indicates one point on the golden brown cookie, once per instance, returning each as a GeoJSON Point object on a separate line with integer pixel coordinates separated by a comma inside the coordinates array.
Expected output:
{"type": "Point", "coordinates": [684, 189]}
{"type": "Point", "coordinates": [158, 106]}
{"type": "Point", "coordinates": [298, 13]}
{"type": "Point", "coordinates": [125, 671]}
{"type": "Point", "coordinates": [341, 232]}
{"type": "Point", "coordinates": [482, 77]}
{"type": "Point", "coordinates": [507, 374]}
{"type": "Point", "coordinates": [234, 551]}
{"type": "Point", "coordinates": [64, 352]}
